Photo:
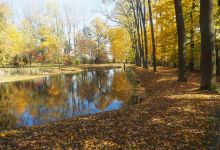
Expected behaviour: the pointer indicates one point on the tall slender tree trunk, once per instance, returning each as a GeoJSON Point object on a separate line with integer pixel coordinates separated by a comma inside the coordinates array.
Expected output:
{"type": "Point", "coordinates": [181, 41]}
{"type": "Point", "coordinates": [192, 43]}
{"type": "Point", "coordinates": [142, 40]}
{"type": "Point", "coordinates": [208, 59]}
{"type": "Point", "coordinates": [140, 30]}
{"type": "Point", "coordinates": [137, 26]}
{"type": "Point", "coordinates": [217, 55]}
{"type": "Point", "coordinates": [217, 61]}
{"type": "Point", "coordinates": [137, 52]}
{"type": "Point", "coordinates": [30, 59]}
{"type": "Point", "coordinates": [135, 47]}
{"type": "Point", "coordinates": [146, 46]}
{"type": "Point", "coordinates": [153, 37]}
{"type": "Point", "coordinates": [144, 25]}
{"type": "Point", "coordinates": [139, 44]}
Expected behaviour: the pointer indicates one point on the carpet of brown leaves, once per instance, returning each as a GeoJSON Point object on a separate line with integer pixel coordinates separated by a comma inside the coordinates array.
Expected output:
{"type": "Point", "coordinates": [172, 116]}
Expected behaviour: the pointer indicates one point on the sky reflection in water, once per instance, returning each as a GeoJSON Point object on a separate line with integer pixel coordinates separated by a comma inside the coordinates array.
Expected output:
{"type": "Point", "coordinates": [64, 96]}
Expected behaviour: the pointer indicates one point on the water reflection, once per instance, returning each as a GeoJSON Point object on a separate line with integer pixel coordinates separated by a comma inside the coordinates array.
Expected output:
{"type": "Point", "coordinates": [60, 97]}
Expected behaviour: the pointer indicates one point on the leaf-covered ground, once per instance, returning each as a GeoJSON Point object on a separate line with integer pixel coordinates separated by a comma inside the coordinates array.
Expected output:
{"type": "Point", "coordinates": [172, 116]}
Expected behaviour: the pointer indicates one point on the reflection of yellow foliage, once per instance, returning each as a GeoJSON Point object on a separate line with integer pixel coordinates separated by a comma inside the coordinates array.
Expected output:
{"type": "Point", "coordinates": [54, 91]}
{"type": "Point", "coordinates": [19, 100]}
{"type": "Point", "coordinates": [20, 106]}
{"type": "Point", "coordinates": [121, 87]}
{"type": "Point", "coordinates": [120, 83]}
{"type": "Point", "coordinates": [103, 103]}
{"type": "Point", "coordinates": [34, 95]}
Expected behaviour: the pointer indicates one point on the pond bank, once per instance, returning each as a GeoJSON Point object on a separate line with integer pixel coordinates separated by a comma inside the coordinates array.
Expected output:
{"type": "Point", "coordinates": [20, 74]}
{"type": "Point", "coordinates": [172, 116]}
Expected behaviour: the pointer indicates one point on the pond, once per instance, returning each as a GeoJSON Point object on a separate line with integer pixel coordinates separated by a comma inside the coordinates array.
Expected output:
{"type": "Point", "coordinates": [49, 99]}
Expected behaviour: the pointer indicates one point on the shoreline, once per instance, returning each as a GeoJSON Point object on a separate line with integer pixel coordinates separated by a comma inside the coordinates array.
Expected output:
{"type": "Point", "coordinates": [57, 71]}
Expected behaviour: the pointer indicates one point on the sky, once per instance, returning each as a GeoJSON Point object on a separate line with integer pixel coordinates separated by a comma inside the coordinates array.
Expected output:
{"type": "Point", "coordinates": [93, 8]}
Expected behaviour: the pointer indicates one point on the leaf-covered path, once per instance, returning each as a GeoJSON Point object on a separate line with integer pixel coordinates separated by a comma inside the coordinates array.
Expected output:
{"type": "Point", "coordinates": [172, 116]}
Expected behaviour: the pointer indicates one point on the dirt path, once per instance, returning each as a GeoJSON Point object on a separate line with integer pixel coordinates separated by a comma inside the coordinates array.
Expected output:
{"type": "Point", "coordinates": [172, 116]}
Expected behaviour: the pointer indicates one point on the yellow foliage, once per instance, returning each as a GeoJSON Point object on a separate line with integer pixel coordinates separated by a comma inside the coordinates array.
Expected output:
{"type": "Point", "coordinates": [49, 42]}
{"type": "Point", "coordinates": [11, 43]}
{"type": "Point", "coordinates": [120, 44]}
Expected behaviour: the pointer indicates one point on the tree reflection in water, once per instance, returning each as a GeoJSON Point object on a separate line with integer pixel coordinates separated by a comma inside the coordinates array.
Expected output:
{"type": "Point", "coordinates": [29, 103]}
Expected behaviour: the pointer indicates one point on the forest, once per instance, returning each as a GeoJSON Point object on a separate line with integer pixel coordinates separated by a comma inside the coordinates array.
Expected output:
{"type": "Point", "coordinates": [148, 35]}
{"type": "Point", "coordinates": [143, 74]}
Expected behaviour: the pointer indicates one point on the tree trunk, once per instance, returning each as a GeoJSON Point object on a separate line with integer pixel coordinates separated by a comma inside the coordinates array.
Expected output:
{"type": "Point", "coordinates": [140, 30]}
{"type": "Point", "coordinates": [217, 61]}
{"type": "Point", "coordinates": [137, 26]}
{"type": "Point", "coordinates": [137, 58]}
{"type": "Point", "coordinates": [153, 37]}
{"type": "Point", "coordinates": [181, 41]}
{"type": "Point", "coordinates": [192, 43]}
{"type": "Point", "coordinates": [30, 59]}
{"type": "Point", "coordinates": [217, 54]}
{"type": "Point", "coordinates": [208, 59]}
{"type": "Point", "coordinates": [144, 25]}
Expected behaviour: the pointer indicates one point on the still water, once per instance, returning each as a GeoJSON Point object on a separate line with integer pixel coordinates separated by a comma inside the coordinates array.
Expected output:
{"type": "Point", "coordinates": [29, 103]}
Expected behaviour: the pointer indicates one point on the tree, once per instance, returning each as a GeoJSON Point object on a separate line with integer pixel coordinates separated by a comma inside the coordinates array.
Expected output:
{"type": "Point", "coordinates": [208, 63]}
{"type": "Point", "coordinates": [50, 45]}
{"type": "Point", "coordinates": [12, 45]}
{"type": "Point", "coordinates": [100, 30]}
{"type": "Point", "coordinates": [217, 40]}
{"type": "Point", "coordinates": [152, 37]}
{"type": "Point", "coordinates": [181, 41]}
{"type": "Point", "coordinates": [139, 16]}
{"type": "Point", "coordinates": [120, 44]}
{"type": "Point", "coordinates": [86, 48]}
{"type": "Point", "coordinates": [192, 34]}
{"type": "Point", "coordinates": [4, 54]}
{"type": "Point", "coordinates": [142, 9]}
